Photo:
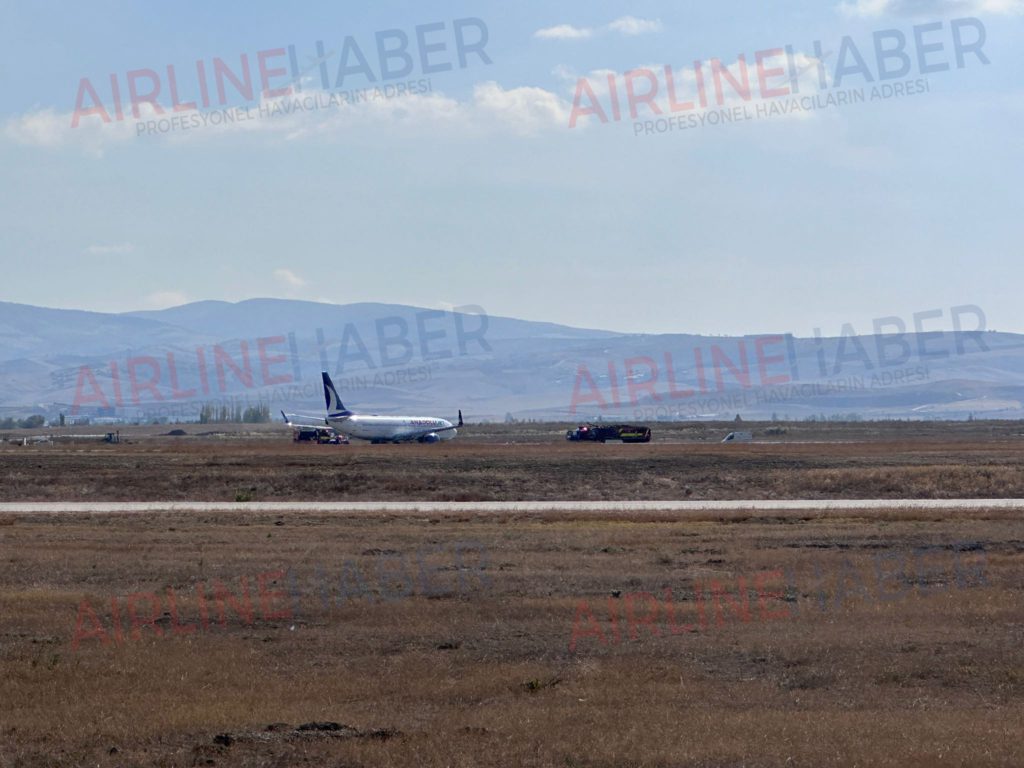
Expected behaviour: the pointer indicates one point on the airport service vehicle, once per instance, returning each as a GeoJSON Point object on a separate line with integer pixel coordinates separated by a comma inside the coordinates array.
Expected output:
{"type": "Point", "coordinates": [600, 433]}
{"type": "Point", "coordinates": [312, 433]}
{"type": "Point", "coordinates": [384, 429]}
{"type": "Point", "coordinates": [320, 436]}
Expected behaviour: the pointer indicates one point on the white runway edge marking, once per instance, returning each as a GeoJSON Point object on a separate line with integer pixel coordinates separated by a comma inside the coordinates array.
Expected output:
{"type": "Point", "coordinates": [119, 507]}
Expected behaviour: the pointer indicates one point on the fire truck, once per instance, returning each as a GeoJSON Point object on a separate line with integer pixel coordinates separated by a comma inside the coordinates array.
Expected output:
{"type": "Point", "coordinates": [599, 433]}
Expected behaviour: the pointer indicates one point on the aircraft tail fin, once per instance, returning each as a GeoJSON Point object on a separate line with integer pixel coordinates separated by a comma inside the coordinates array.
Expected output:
{"type": "Point", "coordinates": [335, 408]}
{"type": "Point", "coordinates": [460, 418]}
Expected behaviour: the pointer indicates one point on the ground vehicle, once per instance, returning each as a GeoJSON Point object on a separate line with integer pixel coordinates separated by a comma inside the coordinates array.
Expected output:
{"type": "Point", "coordinates": [322, 435]}
{"type": "Point", "coordinates": [600, 433]}
{"type": "Point", "coordinates": [313, 433]}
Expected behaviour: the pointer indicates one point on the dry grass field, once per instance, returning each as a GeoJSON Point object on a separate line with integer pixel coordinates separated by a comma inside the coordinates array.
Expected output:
{"type": "Point", "coordinates": [889, 638]}
{"type": "Point", "coordinates": [783, 639]}
{"type": "Point", "coordinates": [530, 461]}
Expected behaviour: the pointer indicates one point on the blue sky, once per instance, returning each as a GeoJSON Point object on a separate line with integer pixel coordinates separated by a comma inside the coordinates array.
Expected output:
{"type": "Point", "coordinates": [477, 191]}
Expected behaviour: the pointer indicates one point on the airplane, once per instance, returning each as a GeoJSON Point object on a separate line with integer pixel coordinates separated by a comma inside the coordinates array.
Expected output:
{"type": "Point", "coordinates": [385, 429]}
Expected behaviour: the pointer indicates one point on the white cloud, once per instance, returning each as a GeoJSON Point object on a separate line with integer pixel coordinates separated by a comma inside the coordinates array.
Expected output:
{"type": "Point", "coordinates": [491, 109]}
{"type": "Point", "coordinates": [288, 278]}
{"type": "Point", "coordinates": [874, 8]}
{"type": "Point", "coordinates": [564, 32]}
{"type": "Point", "coordinates": [43, 128]}
{"type": "Point", "coordinates": [631, 26]}
{"type": "Point", "coordinates": [865, 8]}
{"type": "Point", "coordinates": [165, 299]}
{"type": "Point", "coordinates": [687, 88]}
{"type": "Point", "coordinates": [523, 110]}
{"type": "Point", "coordinates": [49, 129]}
{"type": "Point", "coordinates": [104, 250]}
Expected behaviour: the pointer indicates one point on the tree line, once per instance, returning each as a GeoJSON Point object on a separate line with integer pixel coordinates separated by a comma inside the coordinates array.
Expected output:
{"type": "Point", "coordinates": [211, 413]}
{"type": "Point", "coordinates": [32, 422]}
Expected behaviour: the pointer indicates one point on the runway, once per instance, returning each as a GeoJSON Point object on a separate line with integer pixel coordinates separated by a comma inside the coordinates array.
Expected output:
{"type": "Point", "coordinates": [507, 507]}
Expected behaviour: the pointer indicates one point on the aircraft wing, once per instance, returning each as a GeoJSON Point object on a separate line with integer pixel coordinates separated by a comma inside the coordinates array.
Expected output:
{"type": "Point", "coordinates": [303, 420]}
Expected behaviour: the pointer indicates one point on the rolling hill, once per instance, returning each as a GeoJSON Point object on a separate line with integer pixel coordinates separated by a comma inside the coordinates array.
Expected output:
{"type": "Point", "coordinates": [387, 357]}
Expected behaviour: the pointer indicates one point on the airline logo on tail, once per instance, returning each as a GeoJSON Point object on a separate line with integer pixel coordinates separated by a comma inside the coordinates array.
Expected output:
{"type": "Point", "coordinates": [335, 408]}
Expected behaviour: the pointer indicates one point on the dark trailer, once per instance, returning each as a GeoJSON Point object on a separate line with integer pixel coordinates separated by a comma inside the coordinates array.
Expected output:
{"type": "Point", "coordinates": [600, 433]}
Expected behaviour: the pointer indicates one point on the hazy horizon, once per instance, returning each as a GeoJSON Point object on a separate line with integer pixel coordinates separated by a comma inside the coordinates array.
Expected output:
{"type": "Point", "coordinates": [971, 319]}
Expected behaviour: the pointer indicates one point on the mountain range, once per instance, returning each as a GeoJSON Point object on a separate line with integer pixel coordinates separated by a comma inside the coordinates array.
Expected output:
{"type": "Point", "coordinates": [389, 358]}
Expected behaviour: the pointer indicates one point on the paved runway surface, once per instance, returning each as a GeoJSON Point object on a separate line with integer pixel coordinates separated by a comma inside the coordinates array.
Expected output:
{"type": "Point", "coordinates": [504, 507]}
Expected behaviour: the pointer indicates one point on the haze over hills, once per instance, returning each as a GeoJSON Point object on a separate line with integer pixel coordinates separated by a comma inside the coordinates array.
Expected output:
{"type": "Point", "coordinates": [390, 358]}
{"type": "Point", "coordinates": [267, 317]}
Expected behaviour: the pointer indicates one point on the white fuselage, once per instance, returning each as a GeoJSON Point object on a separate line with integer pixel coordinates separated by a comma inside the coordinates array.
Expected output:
{"type": "Point", "coordinates": [392, 427]}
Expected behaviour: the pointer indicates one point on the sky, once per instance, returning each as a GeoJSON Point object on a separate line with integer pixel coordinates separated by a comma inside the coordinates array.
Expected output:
{"type": "Point", "coordinates": [514, 176]}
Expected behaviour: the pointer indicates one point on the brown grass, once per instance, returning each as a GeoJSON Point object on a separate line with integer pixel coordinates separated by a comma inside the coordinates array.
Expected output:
{"type": "Point", "coordinates": [529, 462]}
{"type": "Point", "coordinates": [481, 674]}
